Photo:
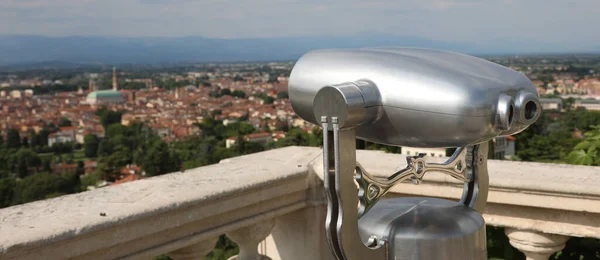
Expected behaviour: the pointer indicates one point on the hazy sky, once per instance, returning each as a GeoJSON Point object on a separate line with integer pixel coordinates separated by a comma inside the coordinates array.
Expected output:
{"type": "Point", "coordinates": [554, 21]}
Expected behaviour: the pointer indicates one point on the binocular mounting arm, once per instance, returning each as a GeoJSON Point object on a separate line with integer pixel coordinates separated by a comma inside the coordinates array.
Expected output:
{"type": "Point", "coordinates": [371, 189]}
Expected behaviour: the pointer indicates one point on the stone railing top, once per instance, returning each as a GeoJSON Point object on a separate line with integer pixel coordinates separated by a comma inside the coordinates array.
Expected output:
{"type": "Point", "coordinates": [44, 222]}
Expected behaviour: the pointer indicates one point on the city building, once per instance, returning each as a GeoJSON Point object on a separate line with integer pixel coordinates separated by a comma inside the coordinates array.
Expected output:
{"type": "Point", "coordinates": [588, 104]}
{"type": "Point", "coordinates": [433, 152]}
{"type": "Point", "coordinates": [504, 147]}
{"type": "Point", "coordinates": [115, 83]}
{"type": "Point", "coordinates": [263, 138]}
{"type": "Point", "coordinates": [59, 138]}
{"type": "Point", "coordinates": [551, 103]}
{"type": "Point", "coordinates": [105, 96]}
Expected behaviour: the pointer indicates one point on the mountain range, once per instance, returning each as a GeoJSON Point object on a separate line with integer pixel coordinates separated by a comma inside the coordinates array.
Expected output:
{"type": "Point", "coordinates": [31, 49]}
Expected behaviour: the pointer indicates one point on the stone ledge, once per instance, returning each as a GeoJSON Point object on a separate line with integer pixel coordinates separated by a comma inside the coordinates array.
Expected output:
{"type": "Point", "coordinates": [240, 188]}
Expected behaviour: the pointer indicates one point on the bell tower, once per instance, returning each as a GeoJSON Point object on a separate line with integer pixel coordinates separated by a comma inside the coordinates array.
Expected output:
{"type": "Point", "coordinates": [115, 84]}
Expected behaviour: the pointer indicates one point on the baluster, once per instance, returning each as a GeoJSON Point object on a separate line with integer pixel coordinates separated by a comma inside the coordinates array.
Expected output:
{"type": "Point", "coordinates": [535, 245]}
{"type": "Point", "coordinates": [248, 239]}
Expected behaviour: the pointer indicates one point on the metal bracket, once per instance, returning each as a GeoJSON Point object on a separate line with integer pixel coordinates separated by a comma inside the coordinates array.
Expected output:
{"type": "Point", "coordinates": [371, 188]}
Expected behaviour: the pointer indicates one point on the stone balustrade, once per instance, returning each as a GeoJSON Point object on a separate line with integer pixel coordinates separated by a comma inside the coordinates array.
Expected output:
{"type": "Point", "coordinates": [272, 205]}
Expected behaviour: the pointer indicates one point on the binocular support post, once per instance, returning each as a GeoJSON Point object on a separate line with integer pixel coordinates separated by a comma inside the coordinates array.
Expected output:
{"type": "Point", "coordinates": [468, 164]}
{"type": "Point", "coordinates": [341, 224]}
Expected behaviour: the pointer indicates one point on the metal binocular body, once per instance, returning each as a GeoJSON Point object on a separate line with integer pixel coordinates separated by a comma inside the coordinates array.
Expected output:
{"type": "Point", "coordinates": [408, 97]}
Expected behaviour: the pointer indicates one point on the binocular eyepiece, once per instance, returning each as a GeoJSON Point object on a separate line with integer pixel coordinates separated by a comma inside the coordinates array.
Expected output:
{"type": "Point", "coordinates": [414, 97]}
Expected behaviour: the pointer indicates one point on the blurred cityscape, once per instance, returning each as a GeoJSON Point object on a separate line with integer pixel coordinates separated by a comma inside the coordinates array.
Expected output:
{"type": "Point", "coordinates": [111, 125]}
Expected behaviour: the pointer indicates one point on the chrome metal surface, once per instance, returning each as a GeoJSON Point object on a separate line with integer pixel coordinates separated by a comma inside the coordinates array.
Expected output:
{"type": "Point", "coordinates": [353, 103]}
{"type": "Point", "coordinates": [339, 162]}
{"type": "Point", "coordinates": [427, 98]}
{"type": "Point", "coordinates": [527, 110]}
{"type": "Point", "coordinates": [426, 228]}
{"type": "Point", "coordinates": [339, 158]}
{"type": "Point", "coordinates": [415, 97]}
{"type": "Point", "coordinates": [371, 189]}
{"type": "Point", "coordinates": [475, 191]}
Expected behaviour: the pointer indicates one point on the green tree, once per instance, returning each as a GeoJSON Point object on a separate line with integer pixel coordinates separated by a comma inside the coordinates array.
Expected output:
{"type": "Point", "coordinates": [579, 248]}
{"type": "Point", "coordinates": [234, 129]}
{"type": "Point", "coordinates": [80, 168]}
{"type": "Point", "coordinates": [568, 103]}
{"type": "Point", "coordinates": [25, 142]}
{"type": "Point", "coordinates": [104, 148]}
{"type": "Point", "coordinates": [110, 164]}
{"type": "Point", "coordinates": [282, 95]}
{"type": "Point", "coordinates": [69, 158]}
{"type": "Point", "coordinates": [208, 126]}
{"type": "Point", "coordinates": [13, 139]}
{"type": "Point", "coordinates": [109, 117]}
{"type": "Point", "coordinates": [91, 179]}
{"type": "Point", "coordinates": [44, 133]}
{"type": "Point", "coordinates": [238, 93]}
{"type": "Point", "coordinates": [158, 159]}
{"type": "Point", "coordinates": [224, 249]}
{"type": "Point", "coordinates": [586, 152]}
{"type": "Point", "coordinates": [294, 137]}
{"type": "Point", "coordinates": [64, 122]}
{"type": "Point", "coordinates": [36, 140]}
{"type": "Point", "coordinates": [90, 145]}
{"type": "Point", "coordinates": [225, 92]}
{"type": "Point", "coordinates": [46, 165]}
{"type": "Point", "coordinates": [26, 158]}
{"type": "Point", "coordinates": [116, 130]}
{"type": "Point", "coordinates": [44, 185]}
{"type": "Point", "coordinates": [550, 140]}
{"type": "Point", "coordinates": [7, 187]}
{"type": "Point", "coordinates": [316, 138]}
{"type": "Point", "coordinates": [268, 100]}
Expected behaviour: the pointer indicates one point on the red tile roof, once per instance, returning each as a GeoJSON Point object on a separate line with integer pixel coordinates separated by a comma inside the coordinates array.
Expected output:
{"type": "Point", "coordinates": [129, 178]}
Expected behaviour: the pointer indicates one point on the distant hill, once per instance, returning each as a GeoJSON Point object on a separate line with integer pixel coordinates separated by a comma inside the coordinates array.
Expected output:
{"type": "Point", "coordinates": [28, 49]}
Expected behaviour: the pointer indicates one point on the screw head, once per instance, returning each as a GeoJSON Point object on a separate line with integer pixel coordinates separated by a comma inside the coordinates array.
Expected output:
{"type": "Point", "coordinates": [414, 180]}
{"type": "Point", "coordinates": [373, 191]}
{"type": "Point", "coordinates": [420, 167]}
{"type": "Point", "coordinates": [458, 166]}
{"type": "Point", "coordinates": [373, 242]}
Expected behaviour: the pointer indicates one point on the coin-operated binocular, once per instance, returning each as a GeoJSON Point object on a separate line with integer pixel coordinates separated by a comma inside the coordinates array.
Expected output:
{"type": "Point", "coordinates": [408, 97]}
